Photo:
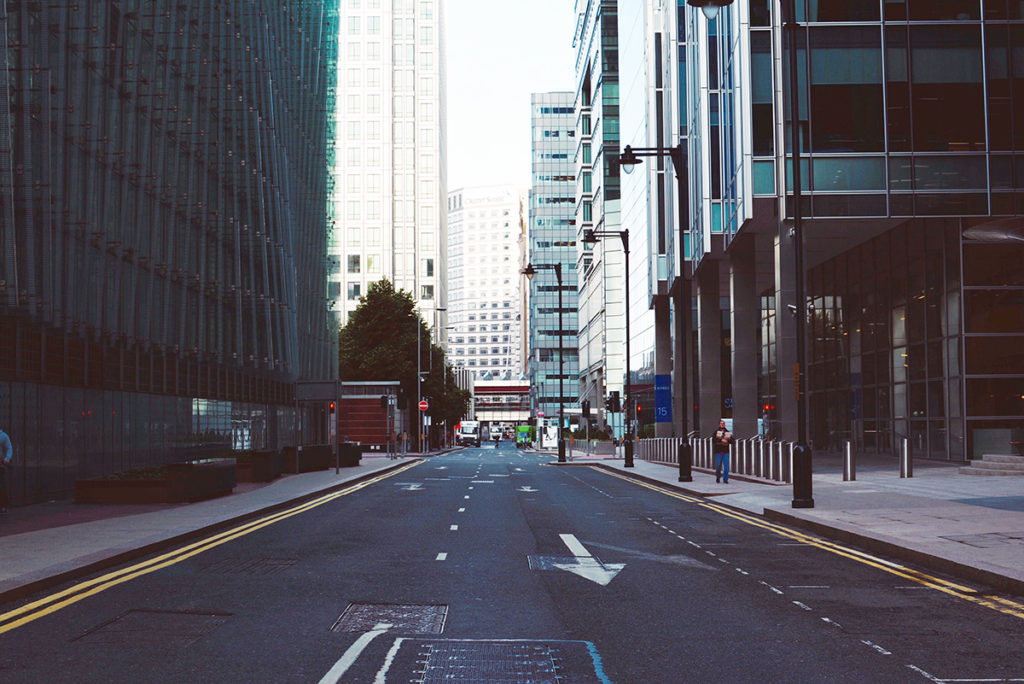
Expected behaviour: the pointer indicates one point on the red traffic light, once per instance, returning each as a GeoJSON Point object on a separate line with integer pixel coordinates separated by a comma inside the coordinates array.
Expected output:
{"type": "Point", "coordinates": [332, 405]}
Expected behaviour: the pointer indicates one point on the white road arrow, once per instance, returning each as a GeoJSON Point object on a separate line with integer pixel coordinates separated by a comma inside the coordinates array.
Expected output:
{"type": "Point", "coordinates": [527, 488]}
{"type": "Point", "coordinates": [586, 565]}
{"type": "Point", "coordinates": [411, 486]}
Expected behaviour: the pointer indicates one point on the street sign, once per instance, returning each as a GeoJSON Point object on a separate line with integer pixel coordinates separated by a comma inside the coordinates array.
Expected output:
{"type": "Point", "coordinates": [424, 405]}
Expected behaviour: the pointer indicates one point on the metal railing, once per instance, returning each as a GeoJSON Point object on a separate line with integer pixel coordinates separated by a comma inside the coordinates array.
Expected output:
{"type": "Point", "coordinates": [754, 457]}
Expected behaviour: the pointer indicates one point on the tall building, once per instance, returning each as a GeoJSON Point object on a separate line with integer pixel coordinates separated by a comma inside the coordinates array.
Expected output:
{"type": "Point", "coordinates": [910, 212]}
{"type": "Point", "coordinates": [390, 196]}
{"type": "Point", "coordinates": [551, 240]}
{"type": "Point", "coordinates": [484, 252]}
{"type": "Point", "coordinates": [600, 267]}
{"type": "Point", "coordinates": [165, 187]}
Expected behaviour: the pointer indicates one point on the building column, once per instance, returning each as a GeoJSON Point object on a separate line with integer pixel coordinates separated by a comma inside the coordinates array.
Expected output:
{"type": "Point", "coordinates": [785, 419]}
{"type": "Point", "coordinates": [709, 342]}
{"type": "Point", "coordinates": [746, 319]}
{"type": "Point", "coordinates": [682, 361]}
{"type": "Point", "coordinates": [662, 356]}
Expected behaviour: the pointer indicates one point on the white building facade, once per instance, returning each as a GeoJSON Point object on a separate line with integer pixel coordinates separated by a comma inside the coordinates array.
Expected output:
{"type": "Point", "coordinates": [484, 330]}
{"type": "Point", "coordinates": [390, 187]}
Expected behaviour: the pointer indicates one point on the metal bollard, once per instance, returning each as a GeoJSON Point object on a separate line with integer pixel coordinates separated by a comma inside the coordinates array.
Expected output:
{"type": "Point", "coordinates": [802, 487]}
{"type": "Point", "coordinates": [906, 459]}
{"type": "Point", "coordinates": [849, 467]}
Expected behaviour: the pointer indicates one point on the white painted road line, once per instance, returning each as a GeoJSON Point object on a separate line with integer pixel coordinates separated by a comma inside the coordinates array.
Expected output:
{"type": "Point", "coordinates": [801, 605]}
{"type": "Point", "coordinates": [442, 556]}
{"type": "Point", "coordinates": [350, 656]}
{"type": "Point", "coordinates": [876, 647]}
{"type": "Point", "coordinates": [462, 510]}
{"type": "Point", "coordinates": [453, 528]}
{"type": "Point", "coordinates": [575, 547]}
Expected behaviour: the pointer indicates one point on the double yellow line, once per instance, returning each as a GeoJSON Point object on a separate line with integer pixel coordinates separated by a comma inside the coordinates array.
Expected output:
{"type": "Point", "coordinates": [54, 602]}
{"type": "Point", "coordinates": [960, 591]}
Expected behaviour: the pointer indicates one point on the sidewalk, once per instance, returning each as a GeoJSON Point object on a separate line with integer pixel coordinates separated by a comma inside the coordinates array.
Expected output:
{"type": "Point", "coordinates": [971, 527]}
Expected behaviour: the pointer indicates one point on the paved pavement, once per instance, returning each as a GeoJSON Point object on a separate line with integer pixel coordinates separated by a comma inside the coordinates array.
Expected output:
{"type": "Point", "coordinates": [970, 527]}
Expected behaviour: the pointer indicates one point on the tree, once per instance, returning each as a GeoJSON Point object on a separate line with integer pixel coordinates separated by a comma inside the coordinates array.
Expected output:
{"type": "Point", "coordinates": [379, 343]}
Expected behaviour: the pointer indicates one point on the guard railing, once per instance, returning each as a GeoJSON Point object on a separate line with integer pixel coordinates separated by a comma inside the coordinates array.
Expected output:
{"type": "Point", "coordinates": [754, 457]}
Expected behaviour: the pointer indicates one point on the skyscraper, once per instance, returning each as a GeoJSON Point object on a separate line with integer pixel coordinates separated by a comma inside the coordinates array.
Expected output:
{"type": "Point", "coordinates": [485, 255]}
{"type": "Point", "coordinates": [165, 180]}
{"type": "Point", "coordinates": [551, 239]}
{"type": "Point", "coordinates": [600, 267]}
{"type": "Point", "coordinates": [390, 195]}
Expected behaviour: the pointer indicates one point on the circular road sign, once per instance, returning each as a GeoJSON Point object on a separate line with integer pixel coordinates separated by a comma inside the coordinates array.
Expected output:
{"type": "Point", "coordinates": [424, 406]}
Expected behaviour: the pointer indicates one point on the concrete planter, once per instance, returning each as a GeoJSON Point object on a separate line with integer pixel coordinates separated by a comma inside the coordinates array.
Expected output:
{"type": "Point", "coordinates": [308, 458]}
{"type": "Point", "coordinates": [189, 481]}
{"type": "Point", "coordinates": [259, 466]}
{"type": "Point", "coordinates": [101, 491]}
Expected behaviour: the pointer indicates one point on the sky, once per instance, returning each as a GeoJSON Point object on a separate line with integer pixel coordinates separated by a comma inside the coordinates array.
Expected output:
{"type": "Point", "coordinates": [499, 52]}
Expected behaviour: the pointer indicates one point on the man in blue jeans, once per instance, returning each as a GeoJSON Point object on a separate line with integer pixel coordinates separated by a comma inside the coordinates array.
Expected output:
{"type": "Point", "coordinates": [6, 454]}
{"type": "Point", "coordinates": [720, 444]}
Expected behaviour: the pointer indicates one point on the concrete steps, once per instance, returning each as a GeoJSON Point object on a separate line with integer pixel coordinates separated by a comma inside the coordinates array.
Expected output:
{"type": "Point", "coordinates": [995, 464]}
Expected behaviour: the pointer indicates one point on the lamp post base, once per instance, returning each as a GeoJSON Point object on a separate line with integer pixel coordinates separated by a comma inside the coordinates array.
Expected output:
{"type": "Point", "coordinates": [802, 497]}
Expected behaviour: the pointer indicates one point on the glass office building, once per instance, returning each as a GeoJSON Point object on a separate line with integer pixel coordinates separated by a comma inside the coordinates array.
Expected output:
{"type": "Point", "coordinates": [551, 235]}
{"type": "Point", "coordinates": [600, 267]}
{"type": "Point", "coordinates": [910, 136]}
{"type": "Point", "coordinates": [163, 223]}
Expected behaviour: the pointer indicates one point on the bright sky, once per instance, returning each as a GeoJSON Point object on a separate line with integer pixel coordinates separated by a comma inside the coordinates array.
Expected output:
{"type": "Point", "coordinates": [499, 52]}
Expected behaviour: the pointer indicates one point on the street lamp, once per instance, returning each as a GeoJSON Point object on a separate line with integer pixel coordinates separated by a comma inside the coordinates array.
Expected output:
{"type": "Point", "coordinates": [627, 160]}
{"type": "Point", "coordinates": [591, 236]}
{"type": "Point", "coordinates": [802, 497]}
{"type": "Point", "coordinates": [529, 272]}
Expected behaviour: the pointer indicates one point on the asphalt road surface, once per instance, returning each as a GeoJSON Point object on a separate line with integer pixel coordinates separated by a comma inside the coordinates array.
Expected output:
{"type": "Point", "coordinates": [489, 565]}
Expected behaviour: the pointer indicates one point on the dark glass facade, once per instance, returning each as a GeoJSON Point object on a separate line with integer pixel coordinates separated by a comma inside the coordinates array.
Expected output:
{"type": "Point", "coordinates": [163, 216]}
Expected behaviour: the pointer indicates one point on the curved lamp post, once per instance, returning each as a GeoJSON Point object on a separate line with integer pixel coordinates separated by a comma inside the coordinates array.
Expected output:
{"type": "Point", "coordinates": [591, 236]}
{"type": "Point", "coordinates": [529, 272]}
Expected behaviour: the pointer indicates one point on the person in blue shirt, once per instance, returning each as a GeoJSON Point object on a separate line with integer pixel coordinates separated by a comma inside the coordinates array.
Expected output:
{"type": "Point", "coordinates": [6, 454]}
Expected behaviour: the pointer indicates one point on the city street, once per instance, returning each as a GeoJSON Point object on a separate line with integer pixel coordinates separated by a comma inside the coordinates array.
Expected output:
{"type": "Point", "coordinates": [492, 565]}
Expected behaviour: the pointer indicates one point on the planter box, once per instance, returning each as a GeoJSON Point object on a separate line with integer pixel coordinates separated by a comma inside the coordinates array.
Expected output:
{"type": "Point", "coordinates": [260, 466]}
{"type": "Point", "coordinates": [349, 454]}
{"type": "Point", "coordinates": [198, 480]}
{"type": "Point", "coordinates": [308, 458]}
{"type": "Point", "coordinates": [102, 491]}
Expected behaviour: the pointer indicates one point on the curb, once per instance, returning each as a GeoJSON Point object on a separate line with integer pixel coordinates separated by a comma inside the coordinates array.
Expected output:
{"type": "Point", "coordinates": [43, 583]}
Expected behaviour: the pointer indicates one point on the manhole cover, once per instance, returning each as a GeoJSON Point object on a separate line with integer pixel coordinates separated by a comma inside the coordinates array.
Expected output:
{"type": "Point", "coordinates": [250, 566]}
{"type": "Point", "coordinates": [404, 618]}
{"type": "Point", "coordinates": [497, 662]}
{"type": "Point", "coordinates": [150, 628]}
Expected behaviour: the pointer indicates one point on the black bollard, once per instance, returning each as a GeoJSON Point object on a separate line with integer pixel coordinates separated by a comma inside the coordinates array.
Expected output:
{"type": "Point", "coordinates": [685, 462]}
{"type": "Point", "coordinates": [802, 477]}
{"type": "Point", "coordinates": [628, 451]}
{"type": "Point", "coordinates": [561, 450]}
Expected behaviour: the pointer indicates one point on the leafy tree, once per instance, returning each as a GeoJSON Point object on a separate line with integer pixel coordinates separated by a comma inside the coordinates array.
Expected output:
{"type": "Point", "coordinates": [379, 343]}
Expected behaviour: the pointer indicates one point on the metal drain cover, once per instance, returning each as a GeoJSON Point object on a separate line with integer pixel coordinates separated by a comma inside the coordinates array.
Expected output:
{"type": "Point", "coordinates": [403, 618]}
{"type": "Point", "coordinates": [149, 628]}
{"type": "Point", "coordinates": [251, 566]}
{"type": "Point", "coordinates": [496, 661]}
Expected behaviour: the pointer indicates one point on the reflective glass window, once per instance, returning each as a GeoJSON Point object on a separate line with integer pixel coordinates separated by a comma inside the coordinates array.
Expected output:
{"type": "Point", "coordinates": [846, 89]}
{"type": "Point", "coordinates": [947, 102]}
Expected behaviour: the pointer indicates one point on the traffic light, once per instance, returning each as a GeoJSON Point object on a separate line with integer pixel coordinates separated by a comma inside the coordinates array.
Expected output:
{"type": "Point", "coordinates": [616, 406]}
{"type": "Point", "coordinates": [608, 403]}
{"type": "Point", "coordinates": [383, 401]}
{"type": "Point", "coordinates": [585, 407]}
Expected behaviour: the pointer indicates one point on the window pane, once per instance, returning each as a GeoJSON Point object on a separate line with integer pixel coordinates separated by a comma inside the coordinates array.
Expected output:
{"type": "Point", "coordinates": [946, 88]}
{"type": "Point", "coordinates": [846, 90]}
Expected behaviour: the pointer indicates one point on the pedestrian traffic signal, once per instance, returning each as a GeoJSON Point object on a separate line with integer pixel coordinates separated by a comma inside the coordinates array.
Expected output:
{"type": "Point", "coordinates": [585, 406]}
{"type": "Point", "coordinates": [383, 401]}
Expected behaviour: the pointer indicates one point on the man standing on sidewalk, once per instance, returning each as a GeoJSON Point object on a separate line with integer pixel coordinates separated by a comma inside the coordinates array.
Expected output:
{"type": "Point", "coordinates": [720, 443]}
{"type": "Point", "coordinates": [6, 454]}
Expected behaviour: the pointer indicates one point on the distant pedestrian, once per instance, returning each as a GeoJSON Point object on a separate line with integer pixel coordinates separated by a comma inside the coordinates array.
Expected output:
{"type": "Point", "coordinates": [6, 455]}
{"type": "Point", "coordinates": [720, 445]}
